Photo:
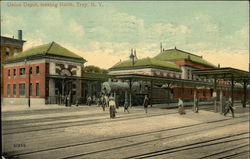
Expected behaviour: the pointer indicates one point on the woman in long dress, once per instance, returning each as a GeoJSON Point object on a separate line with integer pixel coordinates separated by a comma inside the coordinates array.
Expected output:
{"type": "Point", "coordinates": [181, 107]}
{"type": "Point", "coordinates": [112, 107]}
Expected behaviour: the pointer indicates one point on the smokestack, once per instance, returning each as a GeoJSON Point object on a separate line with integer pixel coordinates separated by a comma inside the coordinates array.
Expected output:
{"type": "Point", "coordinates": [20, 35]}
{"type": "Point", "coordinates": [218, 65]}
{"type": "Point", "coordinates": [135, 54]}
{"type": "Point", "coordinates": [161, 47]}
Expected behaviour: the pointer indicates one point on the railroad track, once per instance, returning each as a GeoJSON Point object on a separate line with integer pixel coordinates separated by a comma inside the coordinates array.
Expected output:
{"type": "Point", "coordinates": [18, 130]}
{"type": "Point", "coordinates": [31, 128]}
{"type": "Point", "coordinates": [196, 145]}
{"type": "Point", "coordinates": [221, 153]}
{"type": "Point", "coordinates": [65, 147]}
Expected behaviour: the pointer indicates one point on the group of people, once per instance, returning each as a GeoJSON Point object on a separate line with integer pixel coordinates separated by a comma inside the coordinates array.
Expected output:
{"type": "Point", "coordinates": [109, 101]}
{"type": "Point", "coordinates": [228, 106]}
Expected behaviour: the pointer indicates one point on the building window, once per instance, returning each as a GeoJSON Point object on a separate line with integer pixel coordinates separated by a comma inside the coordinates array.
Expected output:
{"type": "Point", "coordinates": [37, 89]}
{"type": "Point", "coordinates": [14, 72]}
{"type": "Point", "coordinates": [22, 89]}
{"type": "Point", "coordinates": [22, 71]}
{"type": "Point", "coordinates": [8, 90]}
{"type": "Point", "coordinates": [8, 73]}
{"type": "Point", "coordinates": [7, 51]}
{"type": "Point", "coordinates": [37, 69]}
{"type": "Point", "coordinates": [15, 52]}
{"type": "Point", "coordinates": [31, 90]}
{"type": "Point", "coordinates": [14, 89]}
{"type": "Point", "coordinates": [30, 70]}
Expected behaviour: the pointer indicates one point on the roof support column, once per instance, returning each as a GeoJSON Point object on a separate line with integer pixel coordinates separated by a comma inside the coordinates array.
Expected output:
{"type": "Point", "coordinates": [221, 101]}
{"type": "Point", "coordinates": [215, 94]}
{"type": "Point", "coordinates": [195, 98]}
{"type": "Point", "coordinates": [151, 92]}
{"type": "Point", "coordinates": [245, 94]}
{"type": "Point", "coordinates": [130, 93]}
{"type": "Point", "coordinates": [232, 90]}
{"type": "Point", "coordinates": [168, 91]}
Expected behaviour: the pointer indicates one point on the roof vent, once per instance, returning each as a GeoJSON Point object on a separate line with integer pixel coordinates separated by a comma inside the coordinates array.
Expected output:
{"type": "Point", "coordinates": [20, 35]}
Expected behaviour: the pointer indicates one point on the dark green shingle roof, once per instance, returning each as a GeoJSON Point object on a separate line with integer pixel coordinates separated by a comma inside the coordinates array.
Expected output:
{"type": "Point", "coordinates": [46, 49]}
{"type": "Point", "coordinates": [146, 62]}
{"type": "Point", "coordinates": [175, 55]}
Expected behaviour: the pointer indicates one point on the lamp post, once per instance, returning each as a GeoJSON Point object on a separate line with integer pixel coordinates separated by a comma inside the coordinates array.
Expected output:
{"type": "Point", "coordinates": [28, 83]}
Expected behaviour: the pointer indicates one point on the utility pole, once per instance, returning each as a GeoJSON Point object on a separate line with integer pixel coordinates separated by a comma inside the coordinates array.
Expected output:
{"type": "Point", "coordinates": [25, 61]}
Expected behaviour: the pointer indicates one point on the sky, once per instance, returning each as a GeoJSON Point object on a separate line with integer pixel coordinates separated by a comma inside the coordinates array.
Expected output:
{"type": "Point", "coordinates": [103, 32]}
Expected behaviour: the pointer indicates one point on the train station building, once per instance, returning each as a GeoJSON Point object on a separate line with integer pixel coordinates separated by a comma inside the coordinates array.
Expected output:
{"type": "Point", "coordinates": [42, 73]}
{"type": "Point", "coordinates": [170, 76]}
{"type": "Point", "coordinates": [52, 74]}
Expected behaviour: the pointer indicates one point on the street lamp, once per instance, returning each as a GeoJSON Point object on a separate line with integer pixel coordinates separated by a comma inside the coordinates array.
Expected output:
{"type": "Point", "coordinates": [28, 82]}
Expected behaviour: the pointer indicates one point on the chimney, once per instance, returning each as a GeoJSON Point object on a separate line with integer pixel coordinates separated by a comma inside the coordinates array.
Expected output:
{"type": "Point", "coordinates": [135, 54]}
{"type": "Point", "coordinates": [161, 47]}
{"type": "Point", "coordinates": [218, 65]}
{"type": "Point", "coordinates": [20, 35]}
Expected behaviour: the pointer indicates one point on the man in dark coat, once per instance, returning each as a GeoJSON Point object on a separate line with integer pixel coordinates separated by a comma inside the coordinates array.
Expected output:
{"type": "Point", "coordinates": [145, 103]}
{"type": "Point", "coordinates": [229, 107]}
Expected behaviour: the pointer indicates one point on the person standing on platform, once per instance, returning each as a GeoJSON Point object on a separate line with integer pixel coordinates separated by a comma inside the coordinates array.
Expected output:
{"type": "Point", "coordinates": [126, 106]}
{"type": "Point", "coordinates": [89, 101]}
{"type": "Point", "coordinates": [196, 103]}
{"type": "Point", "coordinates": [106, 100]}
{"type": "Point", "coordinates": [112, 107]}
{"type": "Point", "coordinates": [145, 103]}
{"type": "Point", "coordinates": [229, 107]}
{"type": "Point", "coordinates": [103, 102]}
{"type": "Point", "coordinates": [181, 107]}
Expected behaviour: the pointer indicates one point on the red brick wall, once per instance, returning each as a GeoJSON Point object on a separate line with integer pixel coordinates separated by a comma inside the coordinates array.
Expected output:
{"type": "Point", "coordinates": [3, 51]}
{"type": "Point", "coordinates": [191, 64]}
{"type": "Point", "coordinates": [34, 78]}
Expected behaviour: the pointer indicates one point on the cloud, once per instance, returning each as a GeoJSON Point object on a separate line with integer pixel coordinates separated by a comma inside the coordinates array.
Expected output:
{"type": "Point", "coordinates": [9, 23]}
{"type": "Point", "coordinates": [226, 58]}
{"type": "Point", "coordinates": [74, 26]}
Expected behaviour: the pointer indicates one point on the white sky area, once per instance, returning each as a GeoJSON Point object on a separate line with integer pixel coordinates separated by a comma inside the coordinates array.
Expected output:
{"type": "Point", "coordinates": [104, 32]}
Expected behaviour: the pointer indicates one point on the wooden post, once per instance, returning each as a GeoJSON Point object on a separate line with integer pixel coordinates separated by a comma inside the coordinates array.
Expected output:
{"type": "Point", "coordinates": [168, 89]}
{"type": "Point", "coordinates": [195, 98]}
{"type": "Point", "coordinates": [232, 90]}
{"type": "Point", "coordinates": [130, 93]}
{"type": "Point", "coordinates": [215, 94]}
{"type": "Point", "coordinates": [245, 94]}
{"type": "Point", "coordinates": [221, 102]}
{"type": "Point", "coordinates": [151, 92]}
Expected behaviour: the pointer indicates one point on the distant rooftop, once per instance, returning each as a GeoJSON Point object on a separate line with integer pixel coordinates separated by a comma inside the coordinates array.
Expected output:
{"type": "Point", "coordinates": [176, 54]}
{"type": "Point", "coordinates": [145, 62]}
{"type": "Point", "coordinates": [52, 48]}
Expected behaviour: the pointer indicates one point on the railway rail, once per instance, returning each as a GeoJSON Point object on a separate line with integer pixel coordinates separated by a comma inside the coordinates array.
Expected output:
{"type": "Point", "coordinates": [192, 131]}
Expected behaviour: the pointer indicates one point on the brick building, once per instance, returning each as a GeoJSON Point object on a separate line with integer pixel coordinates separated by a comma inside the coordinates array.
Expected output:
{"type": "Point", "coordinates": [9, 48]}
{"type": "Point", "coordinates": [48, 73]}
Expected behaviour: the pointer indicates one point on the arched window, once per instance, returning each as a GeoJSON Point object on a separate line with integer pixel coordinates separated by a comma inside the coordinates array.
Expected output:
{"type": "Point", "coordinates": [7, 51]}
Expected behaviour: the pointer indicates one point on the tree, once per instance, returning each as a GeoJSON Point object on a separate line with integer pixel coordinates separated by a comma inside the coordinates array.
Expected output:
{"type": "Point", "coordinates": [94, 69]}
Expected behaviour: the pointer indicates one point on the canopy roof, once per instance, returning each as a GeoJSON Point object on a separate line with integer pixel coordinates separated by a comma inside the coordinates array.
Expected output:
{"type": "Point", "coordinates": [176, 55]}
{"type": "Point", "coordinates": [53, 49]}
{"type": "Point", "coordinates": [164, 80]}
{"type": "Point", "coordinates": [223, 73]}
{"type": "Point", "coordinates": [146, 62]}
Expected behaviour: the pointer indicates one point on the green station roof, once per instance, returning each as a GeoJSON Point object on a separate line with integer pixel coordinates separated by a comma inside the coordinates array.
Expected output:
{"type": "Point", "coordinates": [176, 55]}
{"type": "Point", "coordinates": [224, 73]}
{"type": "Point", "coordinates": [53, 49]}
{"type": "Point", "coordinates": [146, 62]}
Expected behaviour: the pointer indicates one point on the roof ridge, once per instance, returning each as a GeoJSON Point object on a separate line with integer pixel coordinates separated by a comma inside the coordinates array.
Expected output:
{"type": "Point", "coordinates": [49, 47]}
{"type": "Point", "coordinates": [175, 49]}
{"type": "Point", "coordinates": [189, 53]}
